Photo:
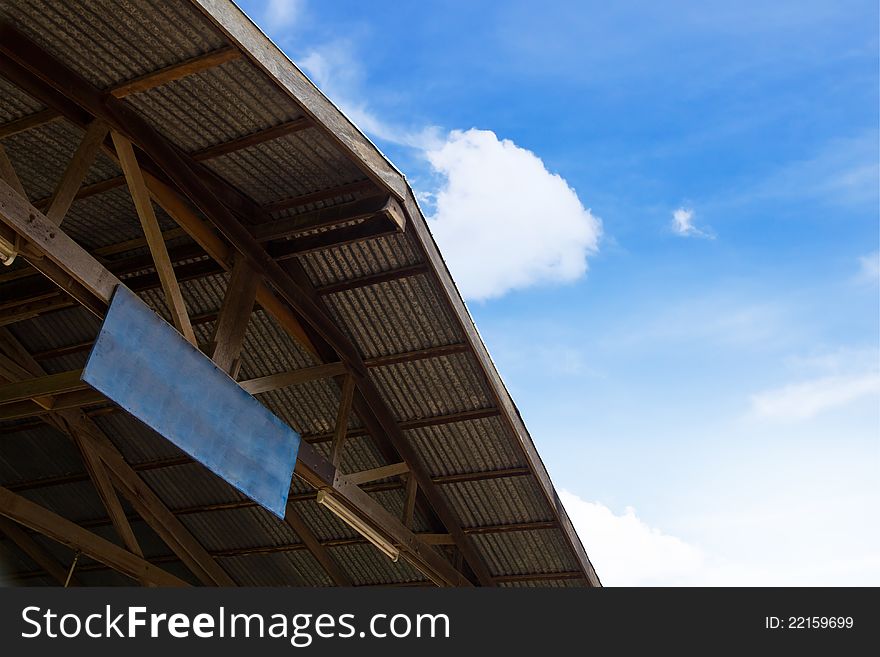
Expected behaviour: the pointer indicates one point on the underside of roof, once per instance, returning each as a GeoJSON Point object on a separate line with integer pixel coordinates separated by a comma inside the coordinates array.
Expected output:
{"type": "Point", "coordinates": [321, 200]}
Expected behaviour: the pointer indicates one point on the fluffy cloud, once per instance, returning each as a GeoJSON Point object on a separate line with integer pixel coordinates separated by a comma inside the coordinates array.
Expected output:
{"type": "Point", "coordinates": [683, 224]}
{"type": "Point", "coordinates": [627, 552]}
{"type": "Point", "coordinates": [502, 220]}
{"type": "Point", "coordinates": [806, 399]}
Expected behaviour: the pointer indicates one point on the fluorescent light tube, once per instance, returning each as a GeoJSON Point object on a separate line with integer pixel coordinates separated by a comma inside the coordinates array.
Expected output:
{"type": "Point", "coordinates": [347, 516]}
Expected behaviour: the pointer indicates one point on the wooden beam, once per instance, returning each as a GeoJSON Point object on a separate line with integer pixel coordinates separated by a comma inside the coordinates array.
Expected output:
{"type": "Point", "coordinates": [373, 279]}
{"type": "Point", "coordinates": [10, 243]}
{"type": "Point", "coordinates": [157, 515]}
{"type": "Point", "coordinates": [95, 445]}
{"type": "Point", "coordinates": [234, 316]}
{"type": "Point", "coordinates": [269, 58]}
{"type": "Point", "coordinates": [76, 171]}
{"type": "Point", "coordinates": [43, 521]}
{"type": "Point", "coordinates": [381, 472]}
{"type": "Point", "coordinates": [69, 258]}
{"type": "Point", "coordinates": [321, 554]}
{"type": "Point", "coordinates": [342, 416]}
{"type": "Point", "coordinates": [28, 122]}
{"type": "Point", "coordinates": [35, 551]}
{"type": "Point", "coordinates": [176, 71]}
{"type": "Point", "coordinates": [153, 233]}
{"type": "Point", "coordinates": [409, 505]}
{"type": "Point", "coordinates": [359, 187]}
{"type": "Point", "coordinates": [292, 378]}
{"type": "Point", "coordinates": [136, 85]}
{"type": "Point", "coordinates": [359, 210]}
{"type": "Point", "coordinates": [32, 388]}
{"type": "Point", "coordinates": [254, 138]}
{"type": "Point", "coordinates": [74, 423]}
{"type": "Point", "coordinates": [379, 226]}
{"type": "Point", "coordinates": [29, 60]}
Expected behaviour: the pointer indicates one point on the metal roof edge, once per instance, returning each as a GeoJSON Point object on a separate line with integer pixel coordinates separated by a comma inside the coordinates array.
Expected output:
{"type": "Point", "coordinates": [264, 53]}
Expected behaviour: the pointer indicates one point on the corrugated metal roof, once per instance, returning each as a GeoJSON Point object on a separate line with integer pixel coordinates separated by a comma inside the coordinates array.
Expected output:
{"type": "Point", "coordinates": [214, 106]}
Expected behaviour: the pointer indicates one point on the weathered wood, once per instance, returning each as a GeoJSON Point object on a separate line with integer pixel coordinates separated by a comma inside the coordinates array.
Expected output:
{"type": "Point", "coordinates": [367, 187]}
{"type": "Point", "coordinates": [364, 153]}
{"type": "Point", "coordinates": [267, 134]}
{"type": "Point", "coordinates": [70, 258]}
{"type": "Point", "coordinates": [293, 288]}
{"type": "Point", "coordinates": [33, 388]}
{"type": "Point", "coordinates": [10, 243]}
{"type": "Point", "coordinates": [409, 505]}
{"type": "Point", "coordinates": [28, 122]}
{"type": "Point", "coordinates": [373, 279]}
{"type": "Point", "coordinates": [41, 520]}
{"type": "Point", "coordinates": [342, 416]}
{"type": "Point", "coordinates": [36, 552]}
{"type": "Point", "coordinates": [379, 226]}
{"type": "Point", "coordinates": [364, 476]}
{"type": "Point", "coordinates": [153, 233]}
{"type": "Point", "coordinates": [235, 314]}
{"type": "Point", "coordinates": [313, 545]}
{"type": "Point", "coordinates": [76, 171]}
{"type": "Point", "coordinates": [176, 71]}
{"type": "Point", "coordinates": [292, 378]}
{"type": "Point", "coordinates": [136, 85]}
{"type": "Point", "coordinates": [360, 210]}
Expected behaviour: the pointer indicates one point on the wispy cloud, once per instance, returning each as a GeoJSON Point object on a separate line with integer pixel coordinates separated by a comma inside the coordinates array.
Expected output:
{"type": "Point", "coordinates": [337, 71]}
{"type": "Point", "coordinates": [869, 268]}
{"type": "Point", "coordinates": [683, 224]}
{"type": "Point", "coordinates": [806, 399]}
{"type": "Point", "coordinates": [502, 220]}
{"type": "Point", "coordinates": [825, 382]}
{"type": "Point", "coordinates": [282, 13]}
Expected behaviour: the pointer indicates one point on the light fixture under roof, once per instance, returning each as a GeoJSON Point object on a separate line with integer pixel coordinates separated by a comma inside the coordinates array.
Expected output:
{"type": "Point", "coordinates": [327, 500]}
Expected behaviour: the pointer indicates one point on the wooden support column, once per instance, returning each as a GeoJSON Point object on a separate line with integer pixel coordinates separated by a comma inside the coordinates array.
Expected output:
{"type": "Point", "coordinates": [99, 451]}
{"type": "Point", "coordinates": [145, 212]}
{"type": "Point", "coordinates": [342, 416]}
{"type": "Point", "coordinates": [43, 521]}
{"type": "Point", "coordinates": [74, 423]}
{"type": "Point", "coordinates": [232, 322]}
{"type": "Point", "coordinates": [409, 505]}
{"type": "Point", "coordinates": [76, 171]}
{"type": "Point", "coordinates": [35, 551]}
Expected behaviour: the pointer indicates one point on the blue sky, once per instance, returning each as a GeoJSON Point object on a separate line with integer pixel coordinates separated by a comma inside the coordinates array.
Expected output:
{"type": "Point", "coordinates": [674, 208]}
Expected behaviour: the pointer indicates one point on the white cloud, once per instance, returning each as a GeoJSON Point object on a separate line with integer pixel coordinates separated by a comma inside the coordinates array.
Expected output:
{"type": "Point", "coordinates": [502, 220]}
{"type": "Point", "coordinates": [869, 268]}
{"type": "Point", "coordinates": [806, 399]}
{"type": "Point", "coordinates": [282, 13]}
{"type": "Point", "coordinates": [337, 71]}
{"type": "Point", "coordinates": [627, 552]}
{"type": "Point", "coordinates": [683, 224]}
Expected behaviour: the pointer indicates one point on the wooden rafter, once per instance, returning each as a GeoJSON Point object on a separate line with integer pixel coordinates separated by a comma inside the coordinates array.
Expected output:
{"type": "Point", "coordinates": [39, 519]}
{"type": "Point", "coordinates": [28, 65]}
{"type": "Point", "coordinates": [139, 84]}
{"type": "Point", "coordinates": [313, 545]}
{"type": "Point", "coordinates": [76, 172]}
{"type": "Point", "coordinates": [232, 321]}
{"type": "Point", "coordinates": [310, 466]}
{"type": "Point", "coordinates": [342, 418]}
{"type": "Point", "coordinates": [36, 552]}
{"type": "Point", "coordinates": [153, 233]}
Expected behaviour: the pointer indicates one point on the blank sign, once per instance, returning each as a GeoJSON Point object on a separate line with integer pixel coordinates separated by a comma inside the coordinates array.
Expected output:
{"type": "Point", "coordinates": [144, 365]}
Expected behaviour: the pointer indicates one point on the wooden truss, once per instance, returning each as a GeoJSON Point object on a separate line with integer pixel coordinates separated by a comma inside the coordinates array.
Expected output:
{"type": "Point", "coordinates": [264, 275]}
